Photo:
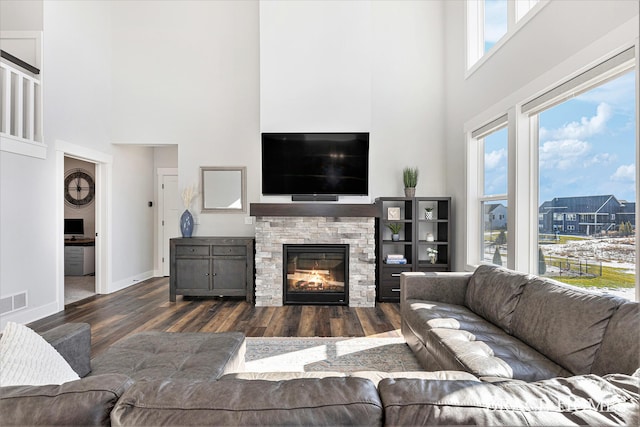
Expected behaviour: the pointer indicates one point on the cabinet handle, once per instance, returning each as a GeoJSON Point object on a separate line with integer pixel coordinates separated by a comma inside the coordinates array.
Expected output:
{"type": "Point", "coordinates": [395, 290]}
{"type": "Point", "coordinates": [395, 274]}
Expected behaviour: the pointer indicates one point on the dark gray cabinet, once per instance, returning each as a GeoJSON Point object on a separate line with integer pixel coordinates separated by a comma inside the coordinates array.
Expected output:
{"type": "Point", "coordinates": [212, 266]}
{"type": "Point", "coordinates": [423, 242]}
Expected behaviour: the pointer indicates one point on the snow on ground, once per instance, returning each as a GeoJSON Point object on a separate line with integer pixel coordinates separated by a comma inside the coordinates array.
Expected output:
{"type": "Point", "coordinates": [612, 252]}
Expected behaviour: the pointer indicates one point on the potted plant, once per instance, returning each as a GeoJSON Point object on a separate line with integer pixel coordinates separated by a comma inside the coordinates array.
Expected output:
{"type": "Point", "coordinates": [395, 228]}
{"type": "Point", "coordinates": [410, 178]}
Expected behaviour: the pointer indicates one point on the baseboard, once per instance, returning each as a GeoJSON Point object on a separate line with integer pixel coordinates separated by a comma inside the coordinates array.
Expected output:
{"type": "Point", "coordinates": [130, 281]}
{"type": "Point", "coordinates": [29, 315]}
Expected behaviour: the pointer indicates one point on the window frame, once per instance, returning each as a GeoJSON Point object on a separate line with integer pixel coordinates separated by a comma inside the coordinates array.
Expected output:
{"type": "Point", "coordinates": [522, 192]}
{"type": "Point", "coordinates": [474, 17]}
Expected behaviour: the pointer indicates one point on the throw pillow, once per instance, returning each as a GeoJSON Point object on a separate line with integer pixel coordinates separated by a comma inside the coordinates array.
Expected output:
{"type": "Point", "coordinates": [28, 359]}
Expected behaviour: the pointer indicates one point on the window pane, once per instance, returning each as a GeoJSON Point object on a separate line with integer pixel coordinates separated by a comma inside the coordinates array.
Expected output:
{"type": "Point", "coordinates": [587, 189]}
{"type": "Point", "coordinates": [495, 22]}
{"type": "Point", "coordinates": [494, 231]}
{"type": "Point", "coordinates": [524, 6]}
{"type": "Point", "coordinates": [495, 162]}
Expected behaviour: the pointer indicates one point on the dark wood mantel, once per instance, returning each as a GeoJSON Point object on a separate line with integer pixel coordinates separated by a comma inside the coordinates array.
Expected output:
{"type": "Point", "coordinates": [314, 209]}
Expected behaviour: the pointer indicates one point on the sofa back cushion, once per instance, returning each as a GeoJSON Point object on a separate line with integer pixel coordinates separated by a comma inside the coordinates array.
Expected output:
{"type": "Point", "coordinates": [620, 349]}
{"type": "Point", "coordinates": [493, 293]}
{"type": "Point", "coordinates": [564, 323]}
{"type": "Point", "coordinates": [303, 401]}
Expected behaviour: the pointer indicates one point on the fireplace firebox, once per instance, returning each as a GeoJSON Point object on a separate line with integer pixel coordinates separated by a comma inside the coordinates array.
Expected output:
{"type": "Point", "coordinates": [316, 274]}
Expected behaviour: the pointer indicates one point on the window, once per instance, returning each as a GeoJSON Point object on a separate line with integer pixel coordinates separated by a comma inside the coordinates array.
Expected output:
{"type": "Point", "coordinates": [491, 143]}
{"type": "Point", "coordinates": [586, 163]}
{"type": "Point", "coordinates": [492, 22]}
{"type": "Point", "coordinates": [572, 162]}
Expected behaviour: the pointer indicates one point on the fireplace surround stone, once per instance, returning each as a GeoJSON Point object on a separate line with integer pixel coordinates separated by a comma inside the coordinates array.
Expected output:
{"type": "Point", "coordinates": [272, 232]}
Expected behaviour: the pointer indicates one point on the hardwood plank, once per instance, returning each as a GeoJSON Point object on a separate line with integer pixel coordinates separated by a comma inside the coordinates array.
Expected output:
{"type": "Point", "coordinates": [146, 307]}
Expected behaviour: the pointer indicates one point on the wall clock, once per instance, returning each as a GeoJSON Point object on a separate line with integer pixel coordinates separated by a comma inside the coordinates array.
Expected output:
{"type": "Point", "coordinates": [79, 188]}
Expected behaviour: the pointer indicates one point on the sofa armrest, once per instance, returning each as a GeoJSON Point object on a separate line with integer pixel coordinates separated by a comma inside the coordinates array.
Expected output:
{"type": "Point", "coordinates": [84, 402]}
{"type": "Point", "coordinates": [73, 342]}
{"type": "Point", "coordinates": [447, 287]}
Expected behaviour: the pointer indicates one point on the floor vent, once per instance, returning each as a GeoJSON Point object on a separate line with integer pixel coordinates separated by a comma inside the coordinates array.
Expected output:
{"type": "Point", "coordinates": [13, 302]}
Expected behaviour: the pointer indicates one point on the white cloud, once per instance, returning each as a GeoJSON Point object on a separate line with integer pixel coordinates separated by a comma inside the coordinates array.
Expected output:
{"type": "Point", "coordinates": [601, 159]}
{"type": "Point", "coordinates": [495, 158]}
{"type": "Point", "coordinates": [585, 128]}
{"type": "Point", "coordinates": [563, 154]}
{"type": "Point", "coordinates": [625, 173]}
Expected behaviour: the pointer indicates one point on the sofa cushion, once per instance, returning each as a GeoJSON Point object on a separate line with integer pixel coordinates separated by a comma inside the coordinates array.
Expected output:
{"type": "Point", "coordinates": [620, 349]}
{"type": "Point", "coordinates": [85, 402]}
{"type": "Point", "coordinates": [196, 356]}
{"type": "Point", "coordinates": [564, 323]}
{"type": "Point", "coordinates": [28, 359]}
{"type": "Point", "coordinates": [493, 354]}
{"type": "Point", "coordinates": [304, 401]}
{"type": "Point", "coordinates": [584, 400]}
{"type": "Point", "coordinates": [493, 293]}
{"type": "Point", "coordinates": [458, 339]}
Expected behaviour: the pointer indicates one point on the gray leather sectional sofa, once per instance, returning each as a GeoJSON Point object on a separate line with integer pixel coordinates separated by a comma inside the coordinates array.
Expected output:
{"type": "Point", "coordinates": [499, 370]}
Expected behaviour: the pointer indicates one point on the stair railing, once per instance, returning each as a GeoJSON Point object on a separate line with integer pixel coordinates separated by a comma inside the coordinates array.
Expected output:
{"type": "Point", "coordinates": [20, 100]}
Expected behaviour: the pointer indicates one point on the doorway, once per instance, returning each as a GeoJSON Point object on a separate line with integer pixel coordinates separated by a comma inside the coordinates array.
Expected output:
{"type": "Point", "coordinates": [79, 229]}
{"type": "Point", "coordinates": [169, 214]}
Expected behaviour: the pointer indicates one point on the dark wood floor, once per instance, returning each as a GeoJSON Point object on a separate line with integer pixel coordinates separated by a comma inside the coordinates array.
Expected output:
{"type": "Point", "coordinates": [146, 307]}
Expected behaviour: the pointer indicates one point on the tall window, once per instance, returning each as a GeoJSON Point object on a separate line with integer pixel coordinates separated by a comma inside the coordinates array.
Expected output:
{"type": "Point", "coordinates": [493, 195]}
{"type": "Point", "coordinates": [587, 187]}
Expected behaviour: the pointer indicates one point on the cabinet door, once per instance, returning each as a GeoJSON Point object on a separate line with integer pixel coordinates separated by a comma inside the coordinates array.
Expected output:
{"type": "Point", "coordinates": [193, 274]}
{"type": "Point", "coordinates": [230, 275]}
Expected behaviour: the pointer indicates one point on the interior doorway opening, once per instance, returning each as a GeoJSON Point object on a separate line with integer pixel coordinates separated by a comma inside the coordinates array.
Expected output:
{"type": "Point", "coordinates": [79, 229]}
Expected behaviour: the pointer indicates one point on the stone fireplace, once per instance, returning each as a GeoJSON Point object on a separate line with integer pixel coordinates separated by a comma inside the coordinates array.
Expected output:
{"type": "Point", "coordinates": [357, 233]}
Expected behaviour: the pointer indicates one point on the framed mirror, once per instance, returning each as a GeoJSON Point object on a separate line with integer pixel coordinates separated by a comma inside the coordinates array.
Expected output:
{"type": "Point", "coordinates": [224, 189]}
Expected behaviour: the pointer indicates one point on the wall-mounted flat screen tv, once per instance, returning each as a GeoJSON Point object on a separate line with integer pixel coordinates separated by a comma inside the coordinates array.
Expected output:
{"type": "Point", "coordinates": [315, 163]}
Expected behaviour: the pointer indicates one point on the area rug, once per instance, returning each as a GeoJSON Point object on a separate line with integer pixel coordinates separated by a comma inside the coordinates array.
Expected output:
{"type": "Point", "coordinates": [329, 354]}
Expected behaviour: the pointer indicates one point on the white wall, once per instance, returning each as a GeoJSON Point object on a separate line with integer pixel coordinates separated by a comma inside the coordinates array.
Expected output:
{"type": "Point", "coordinates": [21, 15]}
{"type": "Point", "coordinates": [186, 73]}
{"type": "Point", "coordinates": [359, 66]}
{"type": "Point", "coordinates": [562, 39]}
{"type": "Point", "coordinates": [407, 115]}
{"type": "Point", "coordinates": [77, 91]}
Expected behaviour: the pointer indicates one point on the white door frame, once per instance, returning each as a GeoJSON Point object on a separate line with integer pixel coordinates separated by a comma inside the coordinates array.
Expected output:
{"type": "Point", "coordinates": [104, 165]}
{"type": "Point", "coordinates": [161, 173]}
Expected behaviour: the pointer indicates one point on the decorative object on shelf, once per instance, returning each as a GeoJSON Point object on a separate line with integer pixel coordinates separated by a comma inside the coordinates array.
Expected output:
{"type": "Point", "coordinates": [432, 253]}
{"type": "Point", "coordinates": [428, 213]}
{"type": "Point", "coordinates": [395, 228]}
{"type": "Point", "coordinates": [393, 213]}
{"type": "Point", "coordinates": [430, 237]}
{"type": "Point", "coordinates": [186, 220]}
{"type": "Point", "coordinates": [410, 178]}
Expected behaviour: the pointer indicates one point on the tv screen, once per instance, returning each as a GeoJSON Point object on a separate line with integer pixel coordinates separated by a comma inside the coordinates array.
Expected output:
{"type": "Point", "coordinates": [74, 226]}
{"type": "Point", "coordinates": [315, 163]}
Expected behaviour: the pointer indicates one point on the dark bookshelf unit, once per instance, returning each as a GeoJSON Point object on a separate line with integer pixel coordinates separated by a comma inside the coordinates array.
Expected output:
{"type": "Point", "coordinates": [421, 234]}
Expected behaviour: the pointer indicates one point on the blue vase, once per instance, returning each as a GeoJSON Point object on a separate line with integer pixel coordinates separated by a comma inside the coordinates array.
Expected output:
{"type": "Point", "coordinates": [186, 223]}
